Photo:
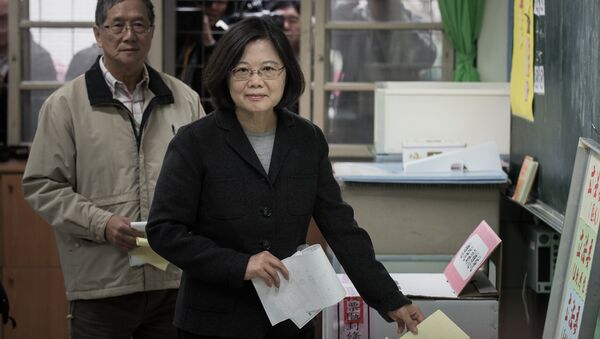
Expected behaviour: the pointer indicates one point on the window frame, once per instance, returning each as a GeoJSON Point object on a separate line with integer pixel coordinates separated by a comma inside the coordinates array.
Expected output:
{"type": "Point", "coordinates": [316, 25]}
{"type": "Point", "coordinates": [16, 84]}
{"type": "Point", "coordinates": [322, 26]}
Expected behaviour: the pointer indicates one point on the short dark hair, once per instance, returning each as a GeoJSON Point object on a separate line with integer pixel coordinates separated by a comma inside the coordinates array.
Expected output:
{"type": "Point", "coordinates": [229, 51]}
{"type": "Point", "coordinates": [285, 4]}
{"type": "Point", "coordinates": [103, 6]}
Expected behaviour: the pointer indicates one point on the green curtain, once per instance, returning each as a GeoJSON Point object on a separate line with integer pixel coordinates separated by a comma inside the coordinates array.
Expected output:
{"type": "Point", "coordinates": [462, 22]}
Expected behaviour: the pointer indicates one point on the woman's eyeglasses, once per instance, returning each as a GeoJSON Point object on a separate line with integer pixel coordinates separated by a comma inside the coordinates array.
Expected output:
{"type": "Point", "coordinates": [267, 72]}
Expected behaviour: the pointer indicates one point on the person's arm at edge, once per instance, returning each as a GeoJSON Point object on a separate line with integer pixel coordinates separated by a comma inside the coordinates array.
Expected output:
{"type": "Point", "coordinates": [50, 176]}
{"type": "Point", "coordinates": [386, 298]}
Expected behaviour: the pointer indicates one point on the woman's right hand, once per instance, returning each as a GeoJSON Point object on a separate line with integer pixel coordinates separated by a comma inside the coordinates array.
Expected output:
{"type": "Point", "coordinates": [265, 265]}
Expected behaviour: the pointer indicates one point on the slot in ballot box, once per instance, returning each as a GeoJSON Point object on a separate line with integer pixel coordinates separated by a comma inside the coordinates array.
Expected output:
{"type": "Point", "coordinates": [475, 310]}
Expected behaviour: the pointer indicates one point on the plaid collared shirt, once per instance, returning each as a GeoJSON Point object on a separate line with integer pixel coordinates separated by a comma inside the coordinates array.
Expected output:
{"type": "Point", "coordinates": [133, 101]}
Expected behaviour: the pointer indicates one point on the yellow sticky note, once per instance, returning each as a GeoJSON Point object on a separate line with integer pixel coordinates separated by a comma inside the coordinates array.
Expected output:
{"type": "Point", "coordinates": [436, 326]}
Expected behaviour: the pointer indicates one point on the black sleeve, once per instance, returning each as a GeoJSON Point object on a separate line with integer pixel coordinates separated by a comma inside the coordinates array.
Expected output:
{"type": "Point", "coordinates": [352, 244]}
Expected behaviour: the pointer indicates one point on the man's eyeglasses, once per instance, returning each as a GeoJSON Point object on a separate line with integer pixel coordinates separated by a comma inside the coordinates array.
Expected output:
{"type": "Point", "coordinates": [137, 27]}
{"type": "Point", "coordinates": [267, 72]}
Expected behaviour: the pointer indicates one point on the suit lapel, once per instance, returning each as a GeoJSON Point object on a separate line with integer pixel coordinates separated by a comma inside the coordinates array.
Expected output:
{"type": "Point", "coordinates": [238, 141]}
{"type": "Point", "coordinates": [284, 142]}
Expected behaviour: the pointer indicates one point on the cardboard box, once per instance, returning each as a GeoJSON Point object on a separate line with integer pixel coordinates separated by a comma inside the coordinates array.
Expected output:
{"type": "Point", "coordinates": [475, 311]}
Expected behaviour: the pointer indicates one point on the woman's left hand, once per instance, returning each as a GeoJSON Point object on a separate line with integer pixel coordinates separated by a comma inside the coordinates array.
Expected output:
{"type": "Point", "coordinates": [407, 316]}
{"type": "Point", "coordinates": [265, 266]}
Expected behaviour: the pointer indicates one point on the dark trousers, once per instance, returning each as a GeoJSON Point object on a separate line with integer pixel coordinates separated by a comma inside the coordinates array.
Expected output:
{"type": "Point", "coordinates": [143, 315]}
{"type": "Point", "coordinates": [284, 330]}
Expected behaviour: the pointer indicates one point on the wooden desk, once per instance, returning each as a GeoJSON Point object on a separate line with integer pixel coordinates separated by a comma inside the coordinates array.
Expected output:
{"type": "Point", "coordinates": [31, 271]}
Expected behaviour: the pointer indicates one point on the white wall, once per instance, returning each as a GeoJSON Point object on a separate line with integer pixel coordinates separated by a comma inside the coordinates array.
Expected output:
{"type": "Point", "coordinates": [493, 41]}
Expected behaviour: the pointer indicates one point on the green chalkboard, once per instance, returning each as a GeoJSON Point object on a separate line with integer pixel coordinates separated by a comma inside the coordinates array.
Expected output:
{"type": "Point", "coordinates": [567, 44]}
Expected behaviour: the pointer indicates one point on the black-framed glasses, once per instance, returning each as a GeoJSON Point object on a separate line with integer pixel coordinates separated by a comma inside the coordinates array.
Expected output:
{"type": "Point", "coordinates": [137, 27]}
{"type": "Point", "coordinates": [267, 72]}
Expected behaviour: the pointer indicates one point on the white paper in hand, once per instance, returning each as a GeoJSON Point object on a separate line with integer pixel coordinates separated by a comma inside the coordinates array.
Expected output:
{"type": "Point", "coordinates": [144, 254]}
{"type": "Point", "coordinates": [313, 285]}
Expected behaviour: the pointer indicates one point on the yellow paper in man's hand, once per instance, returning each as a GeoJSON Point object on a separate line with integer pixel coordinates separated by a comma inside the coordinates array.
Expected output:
{"type": "Point", "coordinates": [143, 254]}
{"type": "Point", "coordinates": [436, 326]}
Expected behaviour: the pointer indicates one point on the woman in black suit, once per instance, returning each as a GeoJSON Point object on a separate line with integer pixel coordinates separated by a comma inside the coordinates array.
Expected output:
{"type": "Point", "coordinates": [238, 188]}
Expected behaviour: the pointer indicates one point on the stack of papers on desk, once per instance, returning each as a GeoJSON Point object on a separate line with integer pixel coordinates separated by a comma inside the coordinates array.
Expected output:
{"type": "Point", "coordinates": [393, 172]}
{"type": "Point", "coordinates": [478, 164]}
{"type": "Point", "coordinates": [313, 286]}
{"type": "Point", "coordinates": [479, 158]}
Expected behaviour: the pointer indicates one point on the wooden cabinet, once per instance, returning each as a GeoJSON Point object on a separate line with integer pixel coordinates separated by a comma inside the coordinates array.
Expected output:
{"type": "Point", "coordinates": [30, 265]}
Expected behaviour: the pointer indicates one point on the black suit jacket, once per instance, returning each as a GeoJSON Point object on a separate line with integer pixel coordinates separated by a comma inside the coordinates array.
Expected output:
{"type": "Point", "coordinates": [215, 206]}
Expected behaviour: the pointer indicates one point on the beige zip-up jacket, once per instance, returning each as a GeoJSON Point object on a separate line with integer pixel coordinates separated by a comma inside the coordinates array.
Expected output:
{"type": "Point", "coordinates": [87, 163]}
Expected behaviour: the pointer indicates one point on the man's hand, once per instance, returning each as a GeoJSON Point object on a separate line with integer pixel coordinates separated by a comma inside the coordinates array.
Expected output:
{"type": "Point", "coordinates": [264, 265]}
{"type": "Point", "coordinates": [408, 315]}
{"type": "Point", "coordinates": [119, 232]}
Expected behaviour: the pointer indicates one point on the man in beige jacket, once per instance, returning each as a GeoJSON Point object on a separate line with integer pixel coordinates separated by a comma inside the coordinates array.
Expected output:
{"type": "Point", "coordinates": [92, 170]}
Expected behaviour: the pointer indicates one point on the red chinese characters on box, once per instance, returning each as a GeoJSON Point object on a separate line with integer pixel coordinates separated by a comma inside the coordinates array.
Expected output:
{"type": "Point", "coordinates": [353, 310]}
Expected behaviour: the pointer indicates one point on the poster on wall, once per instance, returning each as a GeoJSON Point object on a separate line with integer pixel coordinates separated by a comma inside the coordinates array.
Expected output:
{"type": "Point", "coordinates": [539, 43]}
{"type": "Point", "coordinates": [540, 7]}
{"type": "Point", "coordinates": [521, 77]}
{"type": "Point", "coordinates": [580, 260]}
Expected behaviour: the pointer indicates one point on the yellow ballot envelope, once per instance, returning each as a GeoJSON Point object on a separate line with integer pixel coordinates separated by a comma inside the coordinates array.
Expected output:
{"type": "Point", "coordinates": [144, 254]}
{"type": "Point", "coordinates": [436, 326]}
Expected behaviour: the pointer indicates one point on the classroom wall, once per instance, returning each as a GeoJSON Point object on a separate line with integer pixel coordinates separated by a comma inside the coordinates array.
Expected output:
{"type": "Point", "coordinates": [492, 59]}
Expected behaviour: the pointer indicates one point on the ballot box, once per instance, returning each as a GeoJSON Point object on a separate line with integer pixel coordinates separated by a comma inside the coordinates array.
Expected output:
{"type": "Point", "coordinates": [475, 311]}
{"type": "Point", "coordinates": [462, 291]}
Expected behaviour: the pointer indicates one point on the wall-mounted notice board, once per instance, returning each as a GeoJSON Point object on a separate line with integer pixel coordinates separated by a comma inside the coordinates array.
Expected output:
{"type": "Point", "coordinates": [567, 44]}
{"type": "Point", "coordinates": [574, 299]}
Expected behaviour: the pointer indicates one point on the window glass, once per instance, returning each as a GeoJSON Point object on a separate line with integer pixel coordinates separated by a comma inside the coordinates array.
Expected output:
{"type": "Point", "coordinates": [51, 54]}
{"type": "Point", "coordinates": [385, 55]}
{"type": "Point", "coordinates": [367, 55]}
{"type": "Point", "coordinates": [57, 54]}
{"type": "Point", "coordinates": [59, 10]}
{"type": "Point", "coordinates": [349, 117]}
{"type": "Point", "coordinates": [386, 10]}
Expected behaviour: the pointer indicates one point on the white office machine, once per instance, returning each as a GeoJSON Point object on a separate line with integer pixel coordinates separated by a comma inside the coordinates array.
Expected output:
{"type": "Point", "coordinates": [472, 112]}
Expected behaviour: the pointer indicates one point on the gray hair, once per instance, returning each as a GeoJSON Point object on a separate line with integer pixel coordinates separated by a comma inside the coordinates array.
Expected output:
{"type": "Point", "coordinates": [103, 6]}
